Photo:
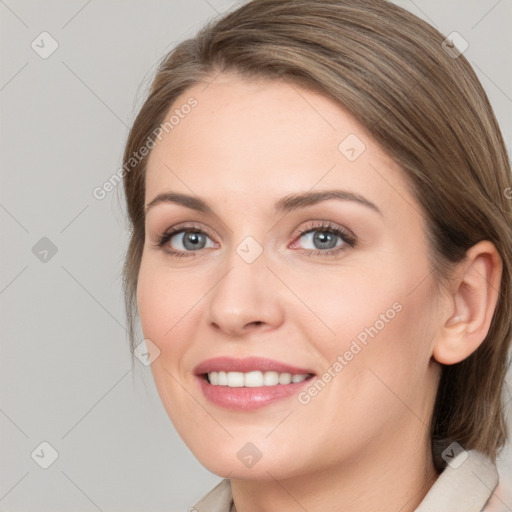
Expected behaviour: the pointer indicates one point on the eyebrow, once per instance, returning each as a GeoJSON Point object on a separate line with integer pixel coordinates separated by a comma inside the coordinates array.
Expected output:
{"type": "Point", "coordinates": [285, 204]}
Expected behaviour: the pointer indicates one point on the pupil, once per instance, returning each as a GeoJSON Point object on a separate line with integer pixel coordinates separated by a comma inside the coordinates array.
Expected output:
{"type": "Point", "coordinates": [192, 240]}
{"type": "Point", "coordinates": [325, 239]}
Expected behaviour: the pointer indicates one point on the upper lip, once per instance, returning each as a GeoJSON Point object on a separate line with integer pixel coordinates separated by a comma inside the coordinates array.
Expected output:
{"type": "Point", "coordinates": [247, 364]}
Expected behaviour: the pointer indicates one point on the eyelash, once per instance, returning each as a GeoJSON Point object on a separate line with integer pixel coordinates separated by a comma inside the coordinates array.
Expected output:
{"type": "Point", "coordinates": [325, 227]}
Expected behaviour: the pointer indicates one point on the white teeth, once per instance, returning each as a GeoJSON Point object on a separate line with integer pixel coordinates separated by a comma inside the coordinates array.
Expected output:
{"type": "Point", "coordinates": [285, 378]}
{"type": "Point", "coordinates": [235, 379]}
{"type": "Point", "coordinates": [253, 379]}
{"type": "Point", "coordinates": [270, 378]}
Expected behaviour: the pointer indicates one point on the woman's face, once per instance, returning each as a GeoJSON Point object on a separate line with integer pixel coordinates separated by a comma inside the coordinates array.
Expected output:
{"type": "Point", "coordinates": [334, 286]}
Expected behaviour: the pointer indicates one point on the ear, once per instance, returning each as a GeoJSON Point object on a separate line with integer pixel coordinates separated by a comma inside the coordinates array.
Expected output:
{"type": "Point", "coordinates": [473, 296]}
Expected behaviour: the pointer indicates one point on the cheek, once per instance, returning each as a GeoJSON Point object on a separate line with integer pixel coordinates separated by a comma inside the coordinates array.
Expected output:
{"type": "Point", "coordinates": [376, 366]}
{"type": "Point", "coordinates": [168, 305]}
{"type": "Point", "coordinates": [348, 304]}
{"type": "Point", "coordinates": [165, 302]}
{"type": "Point", "coordinates": [370, 325]}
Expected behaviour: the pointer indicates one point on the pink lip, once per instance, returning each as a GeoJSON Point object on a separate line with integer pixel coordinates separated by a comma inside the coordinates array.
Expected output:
{"type": "Point", "coordinates": [245, 398]}
{"type": "Point", "coordinates": [248, 364]}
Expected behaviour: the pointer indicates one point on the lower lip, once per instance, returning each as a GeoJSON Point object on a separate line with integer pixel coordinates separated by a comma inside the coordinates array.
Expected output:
{"type": "Point", "coordinates": [248, 399]}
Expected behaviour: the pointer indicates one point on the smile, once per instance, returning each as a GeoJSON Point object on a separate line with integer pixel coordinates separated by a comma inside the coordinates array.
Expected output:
{"type": "Point", "coordinates": [249, 383]}
{"type": "Point", "coordinates": [254, 379]}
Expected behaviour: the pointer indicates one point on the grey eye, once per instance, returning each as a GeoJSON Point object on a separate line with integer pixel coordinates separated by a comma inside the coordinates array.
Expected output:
{"type": "Point", "coordinates": [190, 240]}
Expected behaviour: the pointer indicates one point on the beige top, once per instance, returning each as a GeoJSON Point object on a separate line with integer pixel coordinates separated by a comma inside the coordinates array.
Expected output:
{"type": "Point", "coordinates": [464, 486]}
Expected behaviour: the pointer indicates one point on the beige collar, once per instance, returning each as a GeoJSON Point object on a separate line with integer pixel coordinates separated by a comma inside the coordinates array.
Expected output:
{"type": "Point", "coordinates": [466, 485]}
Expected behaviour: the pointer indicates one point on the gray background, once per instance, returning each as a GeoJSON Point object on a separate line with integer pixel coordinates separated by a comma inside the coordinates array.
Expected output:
{"type": "Point", "coordinates": [66, 375]}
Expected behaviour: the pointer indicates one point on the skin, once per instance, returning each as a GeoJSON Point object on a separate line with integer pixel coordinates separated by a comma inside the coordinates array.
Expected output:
{"type": "Point", "coordinates": [362, 443]}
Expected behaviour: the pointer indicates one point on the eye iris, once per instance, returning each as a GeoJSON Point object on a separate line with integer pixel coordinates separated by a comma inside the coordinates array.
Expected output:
{"type": "Point", "coordinates": [325, 239]}
{"type": "Point", "coordinates": [191, 240]}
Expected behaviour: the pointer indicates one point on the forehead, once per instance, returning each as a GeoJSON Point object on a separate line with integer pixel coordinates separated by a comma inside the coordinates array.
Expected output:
{"type": "Point", "coordinates": [261, 139]}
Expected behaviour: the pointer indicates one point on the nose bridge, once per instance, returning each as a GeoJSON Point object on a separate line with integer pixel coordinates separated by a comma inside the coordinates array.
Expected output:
{"type": "Point", "coordinates": [246, 294]}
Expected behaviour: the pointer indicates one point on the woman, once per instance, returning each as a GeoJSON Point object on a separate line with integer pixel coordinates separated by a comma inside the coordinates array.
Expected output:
{"type": "Point", "coordinates": [321, 259]}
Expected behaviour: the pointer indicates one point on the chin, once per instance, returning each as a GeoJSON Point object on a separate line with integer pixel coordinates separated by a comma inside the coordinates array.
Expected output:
{"type": "Point", "coordinates": [244, 461]}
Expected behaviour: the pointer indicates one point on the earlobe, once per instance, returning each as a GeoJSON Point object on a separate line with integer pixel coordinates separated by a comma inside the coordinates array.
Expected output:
{"type": "Point", "coordinates": [473, 298]}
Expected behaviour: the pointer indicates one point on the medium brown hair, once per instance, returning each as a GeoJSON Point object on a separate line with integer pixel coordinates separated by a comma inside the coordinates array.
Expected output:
{"type": "Point", "coordinates": [422, 104]}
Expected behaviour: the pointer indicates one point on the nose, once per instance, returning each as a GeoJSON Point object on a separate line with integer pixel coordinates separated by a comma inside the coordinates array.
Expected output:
{"type": "Point", "coordinates": [246, 298]}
